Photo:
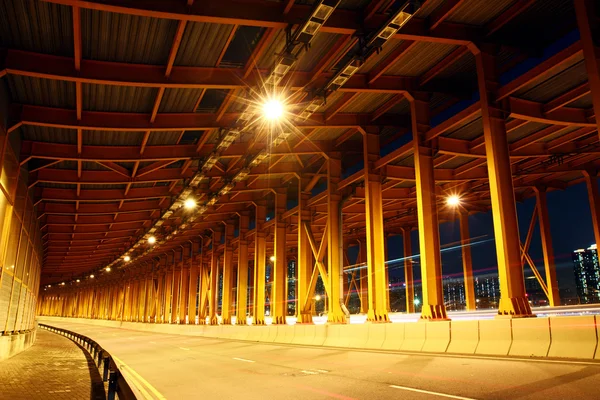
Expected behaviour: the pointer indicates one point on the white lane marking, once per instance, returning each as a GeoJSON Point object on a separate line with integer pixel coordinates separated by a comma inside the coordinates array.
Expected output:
{"type": "Point", "coordinates": [450, 396]}
{"type": "Point", "coordinates": [184, 348]}
{"type": "Point", "coordinates": [243, 359]}
{"type": "Point", "coordinates": [310, 372]}
{"type": "Point", "coordinates": [322, 370]}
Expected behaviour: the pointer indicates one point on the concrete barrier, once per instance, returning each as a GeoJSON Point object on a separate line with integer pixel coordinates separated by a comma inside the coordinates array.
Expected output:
{"type": "Point", "coordinates": [285, 334]}
{"type": "Point", "coordinates": [358, 335]}
{"type": "Point", "coordinates": [598, 337]}
{"type": "Point", "coordinates": [573, 336]}
{"type": "Point", "coordinates": [272, 334]}
{"type": "Point", "coordinates": [242, 332]}
{"type": "Point", "coordinates": [414, 336]}
{"type": "Point", "coordinates": [531, 337]}
{"type": "Point", "coordinates": [437, 336]}
{"type": "Point", "coordinates": [464, 337]}
{"type": "Point", "coordinates": [11, 345]}
{"type": "Point", "coordinates": [495, 337]}
{"type": "Point", "coordinates": [333, 338]}
{"type": "Point", "coordinates": [320, 335]}
{"type": "Point", "coordinates": [304, 334]}
{"type": "Point", "coordinates": [394, 336]}
{"type": "Point", "coordinates": [376, 335]}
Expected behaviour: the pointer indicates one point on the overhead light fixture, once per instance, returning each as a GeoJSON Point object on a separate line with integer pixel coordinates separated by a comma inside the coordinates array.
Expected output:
{"type": "Point", "coordinates": [127, 258]}
{"type": "Point", "coordinates": [151, 240]}
{"type": "Point", "coordinates": [107, 269]}
{"type": "Point", "coordinates": [272, 258]}
{"type": "Point", "coordinates": [190, 203]}
{"type": "Point", "coordinates": [453, 200]}
{"type": "Point", "coordinates": [92, 276]}
{"type": "Point", "coordinates": [62, 284]}
{"type": "Point", "coordinates": [273, 109]}
{"type": "Point", "coordinates": [77, 281]}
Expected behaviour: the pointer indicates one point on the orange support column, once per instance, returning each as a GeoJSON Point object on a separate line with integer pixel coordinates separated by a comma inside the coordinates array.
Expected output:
{"type": "Point", "coordinates": [363, 276]}
{"type": "Point", "coordinates": [260, 248]}
{"type": "Point", "coordinates": [334, 241]}
{"type": "Point", "coordinates": [513, 301]}
{"type": "Point", "coordinates": [242, 271]}
{"type": "Point", "coordinates": [408, 270]}
{"type": "Point", "coordinates": [193, 287]}
{"type": "Point", "coordinates": [204, 289]}
{"type": "Point", "coordinates": [278, 296]}
{"type": "Point", "coordinates": [227, 275]}
{"type": "Point", "coordinates": [183, 291]}
{"type": "Point", "coordinates": [429, 235]}
{"type": "Point", "coordinates": [587, 13]}
{"type": "Point", "coordinates": [465, 238]}
{"type": "Point", "coordinates": [214, 278]}
{"type": "Point", "coordinates": [305, 261]}
{"type": "Point", "coordinates": [549, 265]}
{"type": "Point", "coordinates": [376, 269]}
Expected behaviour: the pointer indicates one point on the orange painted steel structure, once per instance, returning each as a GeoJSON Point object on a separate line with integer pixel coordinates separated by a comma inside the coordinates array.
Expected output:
{"type": "Point", "coordinates": [97, 199]}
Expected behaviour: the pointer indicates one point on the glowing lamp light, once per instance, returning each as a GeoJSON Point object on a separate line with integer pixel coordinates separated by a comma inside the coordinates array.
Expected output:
{"type": "Point", "coordinates": [92, 276]}
{"type": "Point", "coordinates": [273, 109]}
{"type": "Point", "coordinates": [417, 302]}
{"type": "Point", "coordinates": [317, 297]}
{"type": "Point", "coordinates": [151, 240]}
{"type": "Point", "coordinates": [127, 258]}
{"type": "Point", "coordinates": [272, 258]}
{"type": "Point", "coordinates": [453, 200]}
{"type": "Point", "coordinates": [77, 281]}
{"type": "Point", "coordinates": [190, 204]}
{"type": "Point", "coordinates": [107, 269]}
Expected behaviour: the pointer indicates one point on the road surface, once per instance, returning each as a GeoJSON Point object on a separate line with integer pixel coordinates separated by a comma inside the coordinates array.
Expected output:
{"type": "Point", "coordinates": [187, 367]}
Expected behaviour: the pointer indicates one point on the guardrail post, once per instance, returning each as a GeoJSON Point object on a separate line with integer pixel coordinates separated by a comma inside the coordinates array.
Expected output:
{"type": "Point", "coordinates": [99, 357]}
{"type": "Point", "coordinates": [112, 385]}
{"type": "Point", "coordinates": [105, 372]}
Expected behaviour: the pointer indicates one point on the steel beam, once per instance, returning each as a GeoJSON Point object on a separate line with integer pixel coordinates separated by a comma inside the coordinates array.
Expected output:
{"type": "Point", "coordinates": [260, 254]}
{"type": "Point", "coordinates": [513, 301]}
{"type": "Point", "coordinates": [547, 249]}
{"type": "Point", "coordinates": [375, 251]}
{"type": "Point", "coordinates": [433, 307]}
{"type": "Point", "coordinates": [465, 241]}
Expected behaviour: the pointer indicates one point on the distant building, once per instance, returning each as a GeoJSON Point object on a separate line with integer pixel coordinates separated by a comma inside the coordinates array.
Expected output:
{"type": "Point", "coordinates": [587, 274]}
{"type": "Point", "coordinates": [454, 293]}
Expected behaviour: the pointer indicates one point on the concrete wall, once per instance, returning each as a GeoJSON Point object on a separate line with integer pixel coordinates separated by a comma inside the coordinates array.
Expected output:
{"type": "Point", "coordinates": [11, 345]}
{"type": "Point", "coordinates": [556, 337]}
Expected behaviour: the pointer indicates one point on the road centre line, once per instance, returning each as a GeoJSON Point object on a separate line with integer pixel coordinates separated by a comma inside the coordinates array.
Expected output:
{"type": "Point", "coordinates": [243, 359]}
{"type": "Point", "coordinates": [450, 396]}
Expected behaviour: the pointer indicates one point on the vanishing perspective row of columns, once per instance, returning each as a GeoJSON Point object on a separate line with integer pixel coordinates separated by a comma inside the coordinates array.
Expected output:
{"type": "Point", "coordinates": [178, 290]}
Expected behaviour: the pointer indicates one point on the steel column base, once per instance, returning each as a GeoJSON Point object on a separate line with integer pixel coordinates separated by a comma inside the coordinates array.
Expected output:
{"type": "Point", "coordinates": [373, 316]}
{"type": "Point", "coordinates": [434, 313]}
{"type": "Point", "coordinates": [514, 307]}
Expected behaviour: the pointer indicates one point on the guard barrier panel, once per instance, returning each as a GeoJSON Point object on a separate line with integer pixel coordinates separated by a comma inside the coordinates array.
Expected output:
{"type": "Point", "coordinates": [573, 337]}
{"type": "Point", "coordinates": [394, 336]}
{"type": "Point", "coordinates": [414, 336]}
{"type": "Point", "coordinates": [464, 337]}
{"type": "Point", "coordinates": [495, 337]}
{"type": "Point", "coordinates": [117, 385]}
{"type": "Point", "coordinates": [531, 337]}
{"type": "Point", "coordinates": [437, 336]}
{"type": "Point", "coordinates": [376, 336]}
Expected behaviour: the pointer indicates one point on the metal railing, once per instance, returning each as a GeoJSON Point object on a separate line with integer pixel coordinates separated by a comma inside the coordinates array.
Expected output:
{"type": "Point", "coordinates": [117, 385]}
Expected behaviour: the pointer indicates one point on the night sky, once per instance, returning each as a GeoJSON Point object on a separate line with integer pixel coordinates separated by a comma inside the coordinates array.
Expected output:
{"type": "Point", "coordinates": [570, 223]}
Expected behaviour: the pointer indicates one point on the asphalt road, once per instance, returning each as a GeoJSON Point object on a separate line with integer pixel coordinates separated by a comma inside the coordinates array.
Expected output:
{"type": "Point", "coordinates": [190, 367]}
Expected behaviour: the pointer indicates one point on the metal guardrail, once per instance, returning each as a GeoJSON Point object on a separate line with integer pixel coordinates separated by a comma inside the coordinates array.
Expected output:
{"type": "Point", "coordinates": [117, 385]}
